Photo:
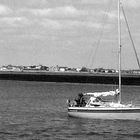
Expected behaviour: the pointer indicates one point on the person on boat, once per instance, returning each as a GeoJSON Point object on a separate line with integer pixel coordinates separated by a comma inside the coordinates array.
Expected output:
{"type": "Point", "coordinates": [116, 97]}
{"type": "Point", "coordinates": [68, 102]}
{"type": "Point", "coordinates": [71, 103]}
{"type": "Point", "coordinates": [80, 101]}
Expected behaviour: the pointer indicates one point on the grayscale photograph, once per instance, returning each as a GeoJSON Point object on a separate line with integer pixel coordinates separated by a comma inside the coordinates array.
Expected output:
{"type": "Point", "coordinates": [69, 69]}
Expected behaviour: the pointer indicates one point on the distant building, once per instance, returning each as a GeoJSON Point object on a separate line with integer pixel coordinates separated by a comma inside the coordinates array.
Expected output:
{"type": "Point", "coordinates": [110, 71]}
{"type": "Point", "coordinates": [136, 71]}
{"type": "Point", "coordinates": [78, 69]}
{"type": "Point", "coordinates": [54, 68]}
{"type": "Point", "coordinates": [10, 68]}
{"type": "Point", "coordinates": [34, 67]}
{"type": "Point", "coordinates": [63, 69]}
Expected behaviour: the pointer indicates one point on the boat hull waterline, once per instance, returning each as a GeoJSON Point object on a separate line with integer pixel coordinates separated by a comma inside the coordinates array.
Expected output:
{"type": "Point", "coordinates": [105, 113]}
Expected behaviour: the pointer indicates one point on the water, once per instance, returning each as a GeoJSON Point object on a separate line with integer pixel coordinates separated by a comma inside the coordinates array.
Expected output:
{"type": "Point", "coordinates": [37, 111]}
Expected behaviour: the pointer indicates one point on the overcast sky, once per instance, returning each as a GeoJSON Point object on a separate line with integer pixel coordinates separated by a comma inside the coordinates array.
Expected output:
{"type": "Point", "coordinates": [67, 33]}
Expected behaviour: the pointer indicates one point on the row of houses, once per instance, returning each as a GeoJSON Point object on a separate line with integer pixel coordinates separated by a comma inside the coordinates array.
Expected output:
{"type": "Point", "coordinates": [10, 68]}
{"type": "Point", "coordinates": [38, 68]}
{"type": "Point", "coordinates": [63, 69]}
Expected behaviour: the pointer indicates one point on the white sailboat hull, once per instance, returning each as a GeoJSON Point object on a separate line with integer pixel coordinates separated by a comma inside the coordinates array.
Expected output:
{"type": "Point", "coordinates": [105, 113]}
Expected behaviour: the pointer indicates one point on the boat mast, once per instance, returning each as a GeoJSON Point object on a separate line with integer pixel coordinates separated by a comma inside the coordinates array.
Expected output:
{"type": "Point", "coordinates": [119, 45]}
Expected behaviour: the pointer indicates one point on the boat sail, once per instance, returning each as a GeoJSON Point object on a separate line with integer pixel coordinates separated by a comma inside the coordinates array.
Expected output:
{"type": "Point", "coordinates": [95, 107]}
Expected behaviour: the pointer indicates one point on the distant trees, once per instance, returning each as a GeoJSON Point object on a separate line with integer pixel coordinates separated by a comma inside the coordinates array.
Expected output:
{"type": "Point", "coordinates": [84, 69]}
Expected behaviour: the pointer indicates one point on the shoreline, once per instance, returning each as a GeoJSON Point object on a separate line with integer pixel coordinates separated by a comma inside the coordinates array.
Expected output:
{"type": "Point", "coordinates": [70, 77]}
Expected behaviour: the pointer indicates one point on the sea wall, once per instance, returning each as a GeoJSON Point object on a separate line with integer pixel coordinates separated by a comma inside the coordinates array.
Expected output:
{"type": "Point", "coordinates": [70, 77]}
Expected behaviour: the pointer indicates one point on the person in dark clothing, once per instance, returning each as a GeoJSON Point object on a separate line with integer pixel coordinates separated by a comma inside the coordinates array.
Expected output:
{"type": "Point", "coordinates": [80, 100]}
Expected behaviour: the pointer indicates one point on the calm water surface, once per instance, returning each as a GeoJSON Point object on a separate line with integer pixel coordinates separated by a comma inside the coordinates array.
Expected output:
{"type": "Point", "coordinates": [37, 111]}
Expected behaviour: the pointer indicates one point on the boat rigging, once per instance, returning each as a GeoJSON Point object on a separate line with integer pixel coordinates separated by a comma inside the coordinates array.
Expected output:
{"type": "Point", "coordinates": [91, 105]}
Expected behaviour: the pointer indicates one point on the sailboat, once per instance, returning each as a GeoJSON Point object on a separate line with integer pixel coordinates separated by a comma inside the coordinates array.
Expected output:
{"type": "Point", "coordinates": [97, 108]}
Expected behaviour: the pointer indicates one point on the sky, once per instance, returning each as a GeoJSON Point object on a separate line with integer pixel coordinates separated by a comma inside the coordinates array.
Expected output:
{"type": "Point", "coordinates": [71, 33]}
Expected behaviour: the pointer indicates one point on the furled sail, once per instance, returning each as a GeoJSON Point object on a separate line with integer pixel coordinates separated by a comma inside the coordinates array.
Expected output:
{"type": "Point", "coordinates": [108, 93]}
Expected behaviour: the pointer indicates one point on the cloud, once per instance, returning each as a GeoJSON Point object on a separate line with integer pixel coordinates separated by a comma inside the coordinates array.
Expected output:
{"type": "Point", "coordinates": [56, 12]}
{"type": "Point", "coordinates": [113, 15]}
{"type": "Point", "coordinates": [81, 24]}
{"type": "Point", "coordinates": [129, 3]}
{"type": "Point", "coordinates": [4, 10]}
{"type": "Point", "coordinates": [62, 17]}
{"type": "Point", "coordinates": [132, 3]}
{"type": "Point", "coordinates": [68, 24]}
{"type": "Point", "coordinates": [49, 23]}
{"type": "Point", "coordinates": [93, 1]}
{"type": "Point", "coordinates": [13, 21]}
{"type": "Point", "coordinates": [37, 2]}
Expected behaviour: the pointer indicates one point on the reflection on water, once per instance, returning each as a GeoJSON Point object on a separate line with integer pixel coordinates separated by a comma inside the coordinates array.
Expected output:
{"type": "Point", "coordinates": [37, 110]}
